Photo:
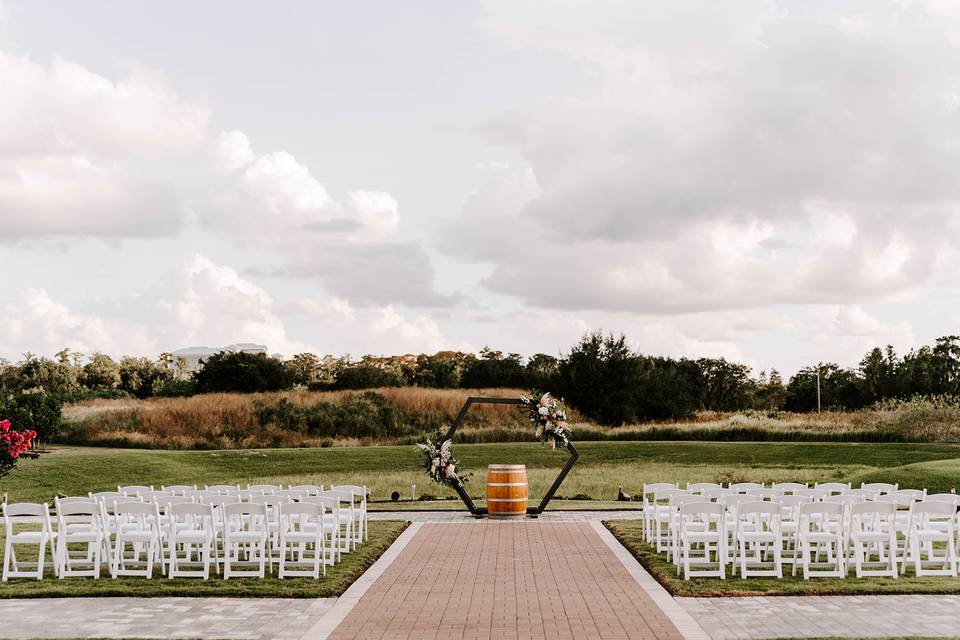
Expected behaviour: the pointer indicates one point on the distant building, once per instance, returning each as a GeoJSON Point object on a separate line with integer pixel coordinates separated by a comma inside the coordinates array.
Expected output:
{"type": "Point", "coordinates": [193, 355]}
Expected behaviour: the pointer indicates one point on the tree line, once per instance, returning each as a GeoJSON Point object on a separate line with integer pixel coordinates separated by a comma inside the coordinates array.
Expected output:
{"type": "Point", "coordinates": [602, 376]}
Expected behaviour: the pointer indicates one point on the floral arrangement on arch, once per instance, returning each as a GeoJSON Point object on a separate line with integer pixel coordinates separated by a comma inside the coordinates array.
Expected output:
{"type": "Point", "coordinates": [549, 416]}
{"type": "Point", "coordinates": [438, 460]}
{"type": "Point", "coordinates": [13, 444]}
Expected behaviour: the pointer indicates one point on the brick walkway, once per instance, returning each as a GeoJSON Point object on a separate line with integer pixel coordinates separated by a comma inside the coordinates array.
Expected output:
{"type": "Point", "coordinates": [506, 580]}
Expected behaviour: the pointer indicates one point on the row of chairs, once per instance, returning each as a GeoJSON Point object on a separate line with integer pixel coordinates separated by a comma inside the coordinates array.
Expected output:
{"type": "Point", "coordinates": [185, 530]}
{"type": "Point", "coordinates": [878, 529]}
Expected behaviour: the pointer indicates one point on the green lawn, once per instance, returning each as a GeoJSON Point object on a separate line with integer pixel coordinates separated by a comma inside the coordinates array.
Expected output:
{"type": "Point", "coordinates": [629, 534]}
{"type": "Point", "coordinates": [601, 468]}
{"type": "Point", "coordinates": [338, 578]}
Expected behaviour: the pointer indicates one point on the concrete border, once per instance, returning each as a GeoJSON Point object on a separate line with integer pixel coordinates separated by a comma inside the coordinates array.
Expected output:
{"type": "Point", "coordinates": [323, 627]}
{"type": "Point", "coordinates": [689, 628]}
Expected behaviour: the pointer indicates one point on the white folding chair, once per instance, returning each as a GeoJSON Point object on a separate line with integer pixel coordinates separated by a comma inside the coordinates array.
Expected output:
{"type": "Point", "coordinates": [873, 529]}
{"type": "Point", "coordinates": [245, 530]}
{"type": "Point", "coordinates": [27, 524]}
{"type": "Point", "coordinates": [358, 501]}
{"type": "Point", "coordinates": [331, 525]}
{"type": "Point", "coordinates": [757, 529]}
{"type": "Point", "coordinates": [790, 524]}
{"type": "Point", "coordinates": [346, 519]}
{"type": "Point", "coordinates": [932, 524]}
{"type": "Point", "coordinates": [674, 505]}
{"type": "Point", "coordinates": [78, 523]}
{"type": "Point", "coordinates": [743, 487]}
{"type": "Point", "coordinates": [136, 524]}
{"type": "Point", "coordinates": [264, 489]}
{"type": "Point", "coordinates": [702, 528]}
{"type": "Point", "coordinates": [820, 529]}
{"type": "Point", "coordinates": [301, 531]}
{"type": "Point", "coordinates": [659, 509]}
{"type": "Point", "coordinates": [649, 506]}
{"type": "Point", "coordinates": [190, 526]}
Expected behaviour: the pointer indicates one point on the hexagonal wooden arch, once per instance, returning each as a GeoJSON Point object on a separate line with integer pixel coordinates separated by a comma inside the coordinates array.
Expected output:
{"type": "Point", "coordinates": [480, 512]}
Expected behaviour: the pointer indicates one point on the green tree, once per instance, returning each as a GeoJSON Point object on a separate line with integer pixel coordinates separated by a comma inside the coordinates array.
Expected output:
{"type": "Point", "coordinates": [241, 372]}
{"type": "Point", "coordinates": [101, 373]}
{"type": "Point", "coordinates": [141, 377]}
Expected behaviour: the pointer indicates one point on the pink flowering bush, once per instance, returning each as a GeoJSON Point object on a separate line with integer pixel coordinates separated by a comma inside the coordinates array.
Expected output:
{"type": "Point", "coordinates": [13, 444]}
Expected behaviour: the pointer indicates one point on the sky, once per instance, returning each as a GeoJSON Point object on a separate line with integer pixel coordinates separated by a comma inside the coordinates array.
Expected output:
{"type": "Point", "coordinates": [774, 182]}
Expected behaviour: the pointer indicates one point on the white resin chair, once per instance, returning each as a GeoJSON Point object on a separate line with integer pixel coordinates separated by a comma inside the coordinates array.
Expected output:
{"type": "Point", "coordinates": [819, 531]}
{"type": "Point", "coordinates": [757, 529]}
{"type": "Point", "coordinates": [675, 504]}
{"type": "Point", "coordinates": [330, 523]}
{"type": "Point", "coordinates": [659, 512]}
{"type": "Point", "coordinates": [136, 524]}
{"type": "Point", "coordinates": [702, 528]}
{"type": "Point", "coordinates": [873, 529]}
{"type": "Point", "coordinates": [109, 496]}
{"type": "Point", "coordinates": [26, 524]}
{"type": "Point", "coordinates": [78, 524]}
{"type": "Point", "coordinates": [743, 487]}
{"type": "Point", "coordinates": [346, 519]}
{"type": "Point", "coordinates": [302, 532]}
{"type": "Point", "coordinates": [245, 530]}
{"type": "Point", "coordinates": [932, 524]}
{"type": "Point", "coordinates": [650, 507]}
{"type": "Point", "coordinates": [190, 527]}
{"type": "Point", "coordinates": [359, 504]}
{"type": "Point", "coordinates": [790, 524]}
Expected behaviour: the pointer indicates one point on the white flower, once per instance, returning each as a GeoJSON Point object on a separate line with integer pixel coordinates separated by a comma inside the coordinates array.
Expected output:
{"type": "Point", "coordinates": [451, 471]}
{"type": "Point", "coordinates": [544, 411]}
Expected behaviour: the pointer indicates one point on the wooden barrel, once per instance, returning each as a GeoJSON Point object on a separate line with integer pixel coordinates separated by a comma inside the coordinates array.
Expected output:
{"type": "Point", "coordinates": [507, 490]}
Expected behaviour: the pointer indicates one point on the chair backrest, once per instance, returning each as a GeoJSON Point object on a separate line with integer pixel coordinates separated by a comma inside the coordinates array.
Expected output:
{"type": "Point", "coordinates": [950, 498]}
{"type": "Point", "coordinates": [73, 499]}
{"type": "Point", "coordinates": [743, 487]}
{"type": "Point", "coordinates": [845, 499]}
{"type": "Point", "coordinates": [865, 494]}
{"type": "Point", "coordinates": [822, 508]}
{"type": "Point", "coordinates": [677, 501]}
{"type": "Point", "coordinates": [245, 516]}
{"type": "Point", "coordinates": [265, 489]}
{"type": "Point", "coordinates": [179, 489]}
{"type": "Point", "coordinates": [870, 508]}
{"type": "Point", "coordinates": [244, 509]}
{"type": "Point", "coordinates": [814, 495]}
{"type": "Point", "coordinates": [763, 494]}
{"type": "Point", "coordinates": [903, 497]}
{"type": "Point", "coordinates": [833, 487]}
{"type": "Point", "coordinates": [653, 487]}
{"type": "Point", "coordinates": [759, 516]}
{"type": "Point", "coordinates": [344, 496]}
{"type": "Point", "coordinates": [109, 496]}
{"type": "Point", "coordinates": [882, 487]}
{"type": "Point", "coordinates": [221, 488]}
{"type": "Point", "coordinates": [915, 494]}
{"type": "Point", "coordinates": [934, 508]}
{"type": "Point", "coordinates": [788, 487]}
{"type": "Point", "coordinates": [700, 487]}
{"type": "Point", "coordinates": [134, 489]}
{"type": "Point", "coordinates": [219, 500]}
{"type": "Point", "coordinates": [664, 494]}
{"type": "Point", "coordinates": [702, 512]}
{"type": "Point", "coordinates": [330, 503]}
{"type": "Point", "coordinates": [66, 507]}
{"type": "Point", "coordinates": [309, 489]}
{"type": "Point", "coordinates": [165, 501]}
{"type": "Point", "coordinates": [357, 492]}
{"type": "Point", "coordinates": [26, 513]}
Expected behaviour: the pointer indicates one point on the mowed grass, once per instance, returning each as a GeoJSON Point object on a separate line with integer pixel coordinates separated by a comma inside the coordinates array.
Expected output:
{"type": "Point", "coordinates": [603, 466]}
{"type": "Point", "coordinates": [338, 578]}
{"type": "Point", "coordinates": [629, 533]}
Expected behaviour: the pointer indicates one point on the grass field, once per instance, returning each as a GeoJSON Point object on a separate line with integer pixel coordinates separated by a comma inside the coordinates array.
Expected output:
{"type": "Point", "coordinates": [338, 578]}
{"type": "Point", "coordinates": [629, 534]}
{"type": "Point", "coordinates": [601, 468]}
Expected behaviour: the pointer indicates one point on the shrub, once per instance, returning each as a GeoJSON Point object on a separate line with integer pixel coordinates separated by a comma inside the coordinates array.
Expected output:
{"type": "Point", "coordinates": [36, 411]}
{"type": "Point", "coordinates": [13, 444]}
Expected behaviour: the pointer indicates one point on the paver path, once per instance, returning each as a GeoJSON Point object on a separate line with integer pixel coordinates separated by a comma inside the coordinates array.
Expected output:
{"type": "Point", "coordinates": [821, 616]}
{"type": "Point", "coordinates": [506, 580]}
{"type": "Point", "coordinates": [208, 618]}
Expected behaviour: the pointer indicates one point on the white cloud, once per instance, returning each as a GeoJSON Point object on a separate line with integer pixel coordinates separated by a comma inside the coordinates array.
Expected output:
{"type": "Point", "coordinates": [71, 144]}
{"type": "Point", "coordinates": [721, 165]}
{"type": "Point", "coordinates": [274, 201]}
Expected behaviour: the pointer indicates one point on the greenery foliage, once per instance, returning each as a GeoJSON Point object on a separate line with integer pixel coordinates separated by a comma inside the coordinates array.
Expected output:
{"type": "Point", "coordinates": [33, 410]}
{"type": "Point", "coordinates": [243, 372]}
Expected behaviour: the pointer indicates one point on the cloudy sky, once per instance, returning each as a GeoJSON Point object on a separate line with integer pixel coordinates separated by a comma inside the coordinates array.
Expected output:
{"type": "Point", "coordinates": [770, 181]}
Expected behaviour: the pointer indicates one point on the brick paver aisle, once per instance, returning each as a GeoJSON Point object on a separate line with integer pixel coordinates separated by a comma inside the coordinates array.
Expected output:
{"type": "Point", "coordinates": [506, 580]}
